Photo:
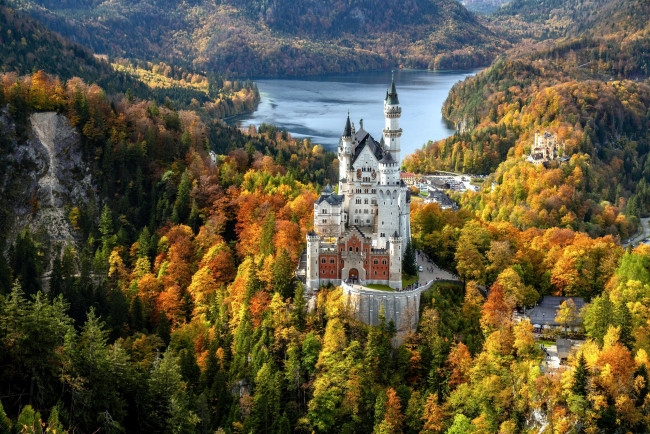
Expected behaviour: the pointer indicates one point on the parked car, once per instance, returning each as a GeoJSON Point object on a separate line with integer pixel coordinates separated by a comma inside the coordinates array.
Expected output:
{"type": "Point", "coordinates": [420, 268]}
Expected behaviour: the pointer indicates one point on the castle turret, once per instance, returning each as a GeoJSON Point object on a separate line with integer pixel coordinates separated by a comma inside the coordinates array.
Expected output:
{"type": "Point", "coordinates": [345, 153]}
{"type": "Point", "coordinates": [392, 113]}
{"type": "Point", "coordinates": [395, 267]}
{"type": "Point", "coordinates": [313, 248]}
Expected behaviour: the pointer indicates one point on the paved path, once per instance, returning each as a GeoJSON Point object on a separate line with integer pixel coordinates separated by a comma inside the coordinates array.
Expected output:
{"type": "Point", "coordinates": [431, 271]}
{"type": "Point", "coordinates": [644, 231]}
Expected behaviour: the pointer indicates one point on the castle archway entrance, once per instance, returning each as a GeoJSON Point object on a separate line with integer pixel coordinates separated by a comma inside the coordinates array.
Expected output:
{"type": "Point", "coordinates": [353, 275]}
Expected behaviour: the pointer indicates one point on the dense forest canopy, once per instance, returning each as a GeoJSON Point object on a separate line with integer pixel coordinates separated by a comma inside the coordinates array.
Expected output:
{"type": "Point", "coordinates": [254, 38]}
{"type": "Point", "coordinates": [28, 45]}
{"type": "Point", "coordinates": [177, 311]}
{"type": "Point", "coordinates": [592, 93]}
{"type": "Point", "coordinates": [172, 306]}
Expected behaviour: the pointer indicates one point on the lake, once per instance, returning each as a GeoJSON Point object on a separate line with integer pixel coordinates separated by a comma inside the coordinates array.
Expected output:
{"type": "Point", "coordinates": [316, 107]}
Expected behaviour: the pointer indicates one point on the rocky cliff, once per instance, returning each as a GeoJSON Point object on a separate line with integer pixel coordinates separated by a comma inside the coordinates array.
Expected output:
{"type": "Point", "coordinates": [45, 175]}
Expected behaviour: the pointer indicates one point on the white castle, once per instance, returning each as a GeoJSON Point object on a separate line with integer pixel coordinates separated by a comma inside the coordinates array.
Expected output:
{"type": "Point", "coordinates": [360, 233]}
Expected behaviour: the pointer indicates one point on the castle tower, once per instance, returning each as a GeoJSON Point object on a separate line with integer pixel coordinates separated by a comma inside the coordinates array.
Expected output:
{"type": "Point", "coordinates": [345, 155]}
{"type": "Point", "coordinates": [312, 278]}
{"type": "Point", "coordinates": [392, 131]}
{"type": "Point", "coordinates": [395, 267]}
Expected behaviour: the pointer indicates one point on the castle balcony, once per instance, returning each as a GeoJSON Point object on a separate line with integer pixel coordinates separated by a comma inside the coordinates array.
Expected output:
{"type": "Point", "coordinates": [392, 133]}
{"type": "Point", "coordinates": [393, 112]}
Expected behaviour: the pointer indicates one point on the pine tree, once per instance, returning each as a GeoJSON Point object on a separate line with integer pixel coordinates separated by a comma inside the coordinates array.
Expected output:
{"type": "Point", "coordinates": [182, 205]}
{"type": "Point", "coordinates": [136, 315]}
{"type": "Point", "coordinates": [106, 229]}
{"type": "Point", "coordinates": [5, 274]}
{"type": "Point", "coordinates": [580, 377]}
{"type": "Point", "coordinates": [299, 306]}
{"type": "Point", "coordinates": [409, 266]}
{"type": "Point", "coordinates": [266, 401]}
{"type": "Point", "coordinates": [282, 280]}
{"type": "Point", "coordinates": [24, 260]}
{"type": "Point", "coordinates": [623, 319]}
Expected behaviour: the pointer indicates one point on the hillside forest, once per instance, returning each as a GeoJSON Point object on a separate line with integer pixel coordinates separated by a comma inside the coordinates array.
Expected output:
{"type": "Point", "coordinates": [178, 312]}
{"type": "Point", "coordinates": [592, 93]}
{"type": "Point", "coordinates": [253, 38]}
{"type": "Point", "coordinates": [171, 305]}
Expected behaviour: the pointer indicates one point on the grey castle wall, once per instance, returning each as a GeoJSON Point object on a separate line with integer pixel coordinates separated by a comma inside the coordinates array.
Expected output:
{"type": "Point", "coordinates": [401, 307]}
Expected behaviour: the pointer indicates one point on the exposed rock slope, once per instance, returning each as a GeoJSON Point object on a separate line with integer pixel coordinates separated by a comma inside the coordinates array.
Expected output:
{"type": "Point", "coordinates": [45, 175]}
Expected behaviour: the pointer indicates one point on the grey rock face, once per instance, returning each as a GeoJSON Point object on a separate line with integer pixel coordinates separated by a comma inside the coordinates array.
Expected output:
{"type": "Point", "coordinates": [46, 175]}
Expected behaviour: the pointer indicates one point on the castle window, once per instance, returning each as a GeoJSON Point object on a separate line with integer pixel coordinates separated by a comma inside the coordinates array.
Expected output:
{"type": "Point", "coordinates": [365, 211]}
{"type": "Point", "coordinates": [365, 201]}
{"type": "Point", "coordinates": [331, 261]}
{"type": "Point", "coordinates": [384, 273]}
{"type": "Point", "coordinates": [383, 262]}
{"type": "Point", "coordinates": [331, 271]}
{"type": "Point", "coordinates": [322, 271]}
{"type": "Point", "coordinates": [350, 248]}
{"type": "Point", "coordinates": [323, 261]}
{"type": "Point", "coordinates": [375, 262]}
{"type": "Point", "coordinates": [357, 249]}
{"type": "Point", "coordinates": [324, 220]}
{"type": "Point", "coordinates": [382, 234]}
{"type": "Point", "coordinates": [375, 273]}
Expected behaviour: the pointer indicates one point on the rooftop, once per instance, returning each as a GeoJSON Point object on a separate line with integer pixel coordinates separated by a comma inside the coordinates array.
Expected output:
{"type": "Point", "coordinates": [546, 311]}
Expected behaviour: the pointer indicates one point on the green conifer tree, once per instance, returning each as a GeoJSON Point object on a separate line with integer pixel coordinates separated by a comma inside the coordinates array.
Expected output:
{"type": "Point", "coordinates": [580, 377]}
{"type": "Point", "coordinates": [409, 265]}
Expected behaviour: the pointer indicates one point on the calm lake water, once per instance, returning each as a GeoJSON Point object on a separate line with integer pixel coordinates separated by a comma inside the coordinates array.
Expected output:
{"type": "Point", "coordinates": [316, 107]}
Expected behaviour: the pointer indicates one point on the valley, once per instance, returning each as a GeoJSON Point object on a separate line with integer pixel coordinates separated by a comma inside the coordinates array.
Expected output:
{"type": "Point", "coordinates": [194, 238]}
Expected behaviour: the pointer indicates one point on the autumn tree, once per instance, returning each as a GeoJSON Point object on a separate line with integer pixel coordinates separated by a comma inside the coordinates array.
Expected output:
{"type": "Point", "coordinates": [567, 314]}
{"type": "Point", "coordinates": [434, 416]}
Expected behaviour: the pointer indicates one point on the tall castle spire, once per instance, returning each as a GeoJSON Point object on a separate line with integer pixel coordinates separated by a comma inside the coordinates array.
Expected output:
{"type": "Point", "coordinates": [391, 96]}
{"type": "Point", "coordinates": [392, 113]}
{"type": "Point", "coordinates": [347, 132]}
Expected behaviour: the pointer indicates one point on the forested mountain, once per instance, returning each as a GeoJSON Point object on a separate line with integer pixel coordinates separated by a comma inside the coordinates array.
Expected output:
{"type": "Point", "coordinates": [172, 306]}
{"type": "Point", "coordinates": [543, 19]}
{"type": "Point", "coordinates": [27, 45]}
{"type": "Point", "coordinates": [147, 250]}
{"type": "Point", "coordinates": [252, 38]}
{"type": "Point", "coordinates": [592, 91]}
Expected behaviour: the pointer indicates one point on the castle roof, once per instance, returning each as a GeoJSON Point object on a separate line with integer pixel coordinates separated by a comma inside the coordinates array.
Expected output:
{"type": "Point", "coordinates": [391, 98]}
{"type": "Point", "coordinates": [327, 190]}
{"type": "Point", "coordinates": [388, 159]}
{"type": "Point", "coordinates": [347, 132]}
{"type": "Point", "coordinates": [362, 139]}
{"type": "Point", "coordinates": [332, 199]}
